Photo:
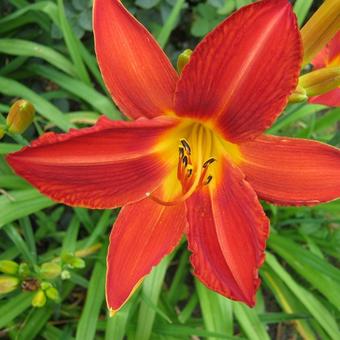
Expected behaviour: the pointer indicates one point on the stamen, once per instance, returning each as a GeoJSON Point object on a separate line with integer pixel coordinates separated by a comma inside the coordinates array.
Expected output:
{"type": "Point", "coordinates": [209, 178]}
{"type": "Point", "coordinates": [191, 177]}
{"type": "Point", "coordinates": [185, 161]}
{"type": "Point", "coordinates": [181, 152]}
{"type": "Point", "coordinates": [186, 145]}
{"type": "Point", "coordinates": [209, 161]}
{"type": "Point", "coordinates": [190, 171]}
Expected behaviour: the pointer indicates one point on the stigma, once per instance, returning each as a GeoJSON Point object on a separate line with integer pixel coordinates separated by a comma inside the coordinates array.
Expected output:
{"type": "Point", "coordinates": [193, 170]}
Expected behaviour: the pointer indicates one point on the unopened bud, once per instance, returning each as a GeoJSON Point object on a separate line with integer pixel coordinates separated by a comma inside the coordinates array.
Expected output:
{"type": "Point", "coordinates": [65, 275]}
{"type": "Point", "coordinates": [73, 261]}
{"type": "Point", "coordinates": [8, 267]}
{"type": "Point", "coordinates": [183, 59]}
{"type": "Point", "coordinates": [20, 116]}
{"type": "Point", "coordinates": [44, 285]}
{"type": "Point", "coordinates": [320, 29]}
{"type": "Point", "coordinates": [299, 95]}
{"type": "Point", "coordinates": [77, 262]}
{"type": "Point", "coordinates": [8, 283]}
{"type": "Point", "coordinates": [39, 299]}
{"type": "Point", "coordinates": [24, 270]}
{"type": "Point", "coordinates": [52, 293]}
{"type": "Point", "coordinates": [320, 81]}
{"type": "Point", "coordinates": [50, 270]}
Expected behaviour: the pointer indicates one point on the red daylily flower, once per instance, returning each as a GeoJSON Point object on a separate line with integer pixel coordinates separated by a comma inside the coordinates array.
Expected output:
{"type": "Point", "coordinates": [329, 56]}
{"type": "Point", "coordinates": [195, 158]}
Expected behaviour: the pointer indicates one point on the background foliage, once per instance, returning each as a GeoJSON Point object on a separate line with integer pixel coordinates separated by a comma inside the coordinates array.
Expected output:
{"type": "Point", "coordinates": [47, 57]}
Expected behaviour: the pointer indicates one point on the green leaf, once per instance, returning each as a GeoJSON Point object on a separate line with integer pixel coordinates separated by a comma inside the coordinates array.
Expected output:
{"type": "Point", "coordinates": [12, 88]}
{"type": "Point", "coordinates": [94, 98]}
{"type": "Point", "coordinates": [13, 307]}
{"type": "Point", "coordinates": [170, 23]}
{"type": "Point", "coordinates": [151, 288]}
{"type": "Point", "coordinates": [21, 203]}
{"type": "Point", "coordinates": [301, 9]}
{"type": "Point", "coordinates": [310, 301]}
{"type": "Point", "coordinates": [250, 322]}
{"type": "Point", "coordinates": [216, 310]}
{"type": "Point", "coordinates": [27, 48]}
{"type": "Point", "coordinates": [72, 44]}
{"type": "Point", "coordinates": [86, 328]}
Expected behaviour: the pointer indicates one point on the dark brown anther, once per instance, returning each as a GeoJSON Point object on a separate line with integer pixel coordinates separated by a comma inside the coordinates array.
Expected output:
{"type": "Point", "coordinates": [209, 161]}
{"type": "Point", "coordinates": [186, 146]}
{"type": "Point", "coordinates": [185, 161]}
{"type": "Point", "coordinates": [181, 152]}
{"type": "Point", "coordinates": [189, 172]}
{"type": "Point", "coordinates": [209, 178]}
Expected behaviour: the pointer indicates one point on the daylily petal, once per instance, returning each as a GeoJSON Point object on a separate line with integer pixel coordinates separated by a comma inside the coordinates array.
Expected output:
{"type": "Point", "coordinates": [227, 234]}
{"type": "Point", "coordinates": [291, 171]}
{"type": "Point", "coordinates": [136, 71]}
{"type": "Point", "coordinates": [240, 76]}
{"type": "Point", "coordinates": [331, 98]}
{"type": "Point", "coordinates": [104, 166]}
{"type": "Point", "coordinates": [143, 233]}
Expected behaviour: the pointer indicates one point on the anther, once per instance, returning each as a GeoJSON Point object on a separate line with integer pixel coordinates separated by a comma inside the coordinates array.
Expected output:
{"type": "Point", "coordinates": [189, 172]}
{"type": "Point", "coordinates": [185, 161]}
{"type": "Point", "coordinates": [209, 161]}
{"type": "Point", "coordinates": [181, 152]}
{"type": "Point", "coordinates": [186, 145]}
{"type": "Point", "coordinates": [209, 178]}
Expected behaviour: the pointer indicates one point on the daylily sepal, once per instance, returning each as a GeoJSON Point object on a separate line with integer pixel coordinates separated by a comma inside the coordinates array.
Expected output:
{"type": "Point", "coordinates": [320, 81]}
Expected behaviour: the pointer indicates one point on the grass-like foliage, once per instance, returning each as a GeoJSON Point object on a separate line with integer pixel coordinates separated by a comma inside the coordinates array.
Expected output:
{"type": "Point", "coordinates": [47, 57]}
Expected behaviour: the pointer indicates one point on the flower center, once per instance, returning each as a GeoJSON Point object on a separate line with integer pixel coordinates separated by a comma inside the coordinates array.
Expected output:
{"type": "Point", "coordinates": [195, 156]}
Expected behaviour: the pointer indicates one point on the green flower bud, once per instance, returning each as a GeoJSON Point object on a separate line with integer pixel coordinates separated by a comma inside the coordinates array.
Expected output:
{"type": "Point", "coordinates": [50, 270]}
{"type": "Point", "coordinates": [24, 270]}
{"type": "Point", "coordinates": [20, 116]}
{"type": "Point", "coordinates": [77, 262]}
{"type": "Point", "coordinates": [183, 59]}
{"type": "Point", "coordinates": [39, 299]}
{"type": "Point", "coordinates": [8, 267]}
{"type": "Point", "coordinates": [73, 261]}
{"type": "Point", "coordinates": [45, 285]}
{"type": "Point", "coordinates": [52, 293]}
{"type": "Point", "coordinates": [8, 283]}
{"type": "Point", "coordinates": [65, 275]}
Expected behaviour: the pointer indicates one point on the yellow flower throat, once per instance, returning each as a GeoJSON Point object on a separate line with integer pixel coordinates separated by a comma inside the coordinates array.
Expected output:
{"type": "Point", "coordinates": [198, 164]}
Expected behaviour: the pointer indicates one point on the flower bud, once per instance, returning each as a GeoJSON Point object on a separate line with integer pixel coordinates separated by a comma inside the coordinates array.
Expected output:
{"type": "Point", "coordinates": [77, 262]}
{"type": "Point", "coordinates": [183, 59]}
{"type": "Point", "coordinates": [320, 29]}
{"type": "Point", "coordinates": [39, 299]}
{"type": "Point", "coordinates": [299, 95]}
{"type": "Point", "coordinates": [8, 267]}
{"type": "Point", "coordinates": [65, 275]}
{"type": "Point", "coordinates": [52, 293]}
{"type": "Point", "coordinates": [320, 81]}
{"type": "Point", "coordinates": [24, 270]}
{"type": "Point", "coordinates": [44, 285]}
{"type": "Point", "coordinates": [50, 270]}
{"type": "Point", "coordinates": [8, 283]}
{"type": "Point", "coordinates": [20, 116]}
{"type": "Point", "coordinates": [73, 261]}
